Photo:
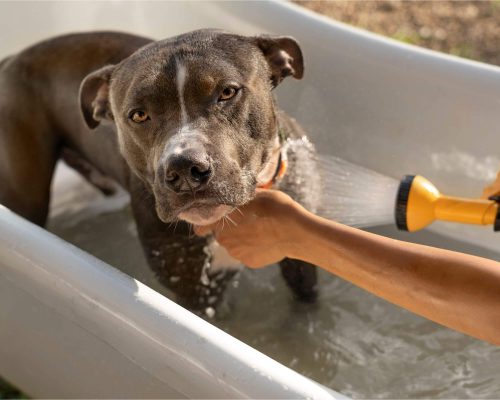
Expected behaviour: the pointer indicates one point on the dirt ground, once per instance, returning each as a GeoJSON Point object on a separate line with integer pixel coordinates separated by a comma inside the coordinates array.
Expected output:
{"type": "Point", "coordinates": [468, 29]}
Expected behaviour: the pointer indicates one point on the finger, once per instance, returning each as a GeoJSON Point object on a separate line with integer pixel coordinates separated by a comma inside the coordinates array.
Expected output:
{"type": "Point", "coordinates": [490, 191]}
{"type": "Point", "coordinates": [203, 230]}
{"type": "Point", "coordinates": [256, 264]}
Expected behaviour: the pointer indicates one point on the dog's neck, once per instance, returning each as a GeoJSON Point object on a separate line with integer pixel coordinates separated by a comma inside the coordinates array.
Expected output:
{"type": "Point", "coordinates": [275, 168]}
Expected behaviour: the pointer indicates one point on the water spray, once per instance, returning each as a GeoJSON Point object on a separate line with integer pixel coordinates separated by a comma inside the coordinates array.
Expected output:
{"type": "Point", "coordinates": [360, 197]}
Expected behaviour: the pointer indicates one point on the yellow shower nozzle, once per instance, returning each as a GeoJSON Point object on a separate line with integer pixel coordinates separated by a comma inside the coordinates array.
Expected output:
{"type": "Point", "coordinates": [419, 203]}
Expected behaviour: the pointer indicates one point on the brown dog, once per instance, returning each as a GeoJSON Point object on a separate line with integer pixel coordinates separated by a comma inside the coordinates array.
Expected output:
{"type": "Point", "coordinates": [188, 125]}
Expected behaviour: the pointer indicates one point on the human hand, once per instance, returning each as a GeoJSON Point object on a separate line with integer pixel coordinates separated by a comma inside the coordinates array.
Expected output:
{"type": "Point", "coordinates": [259, 233]}
{"type": "Point", "coordinates": [493, 189]}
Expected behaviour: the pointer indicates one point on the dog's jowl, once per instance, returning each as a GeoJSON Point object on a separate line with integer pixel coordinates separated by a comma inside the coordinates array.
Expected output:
{"type": "Point", "coordinates": [188, 125]}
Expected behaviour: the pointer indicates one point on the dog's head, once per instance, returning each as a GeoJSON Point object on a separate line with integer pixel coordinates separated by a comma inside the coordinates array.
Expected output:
{"type": "Point", "coordinates": [195, 116]}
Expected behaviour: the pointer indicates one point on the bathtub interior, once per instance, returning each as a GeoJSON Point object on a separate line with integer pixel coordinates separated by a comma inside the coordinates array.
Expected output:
{"type": "Point", "coordinates": [350, 340]}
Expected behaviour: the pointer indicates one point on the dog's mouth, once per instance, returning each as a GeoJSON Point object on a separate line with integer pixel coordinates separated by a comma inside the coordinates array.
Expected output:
{"type": "Point", "coordinates": [203, 213]}
{"type": "Point", "coordinates": [203, 207]}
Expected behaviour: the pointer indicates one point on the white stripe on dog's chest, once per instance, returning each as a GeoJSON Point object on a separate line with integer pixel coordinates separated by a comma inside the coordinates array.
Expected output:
{"type": "Point", "coordinates": [221, 259]}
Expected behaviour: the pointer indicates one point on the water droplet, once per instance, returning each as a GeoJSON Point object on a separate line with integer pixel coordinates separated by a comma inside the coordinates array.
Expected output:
{"type": "Point", "coordinates": [210, 312]}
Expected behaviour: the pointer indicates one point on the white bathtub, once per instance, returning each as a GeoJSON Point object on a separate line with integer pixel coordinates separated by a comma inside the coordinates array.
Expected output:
{"type": "Point", "coordinates": [72, 326]}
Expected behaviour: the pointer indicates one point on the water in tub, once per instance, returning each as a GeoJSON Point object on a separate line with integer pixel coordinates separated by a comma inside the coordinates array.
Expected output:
{"type": "Point", "coordinates": [349, 340]}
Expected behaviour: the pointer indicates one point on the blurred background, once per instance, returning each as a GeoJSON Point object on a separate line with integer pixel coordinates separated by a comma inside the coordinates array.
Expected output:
{"type": "Point", "coordinates": [469, 29]}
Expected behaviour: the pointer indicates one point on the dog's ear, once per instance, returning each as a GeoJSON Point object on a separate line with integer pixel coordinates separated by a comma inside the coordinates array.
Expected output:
{"type": "Point", "coordinates": [283, 55]}
{"type": "Point", "coordinates": [94, 96]}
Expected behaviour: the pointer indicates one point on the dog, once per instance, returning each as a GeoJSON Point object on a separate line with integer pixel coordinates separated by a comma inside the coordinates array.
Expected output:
{"type": "Point", "coordinates": [188, 125]}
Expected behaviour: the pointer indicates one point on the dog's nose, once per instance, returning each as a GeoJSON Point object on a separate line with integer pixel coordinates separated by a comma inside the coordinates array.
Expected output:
{"type": "Point", "coordinates": [189, 170]}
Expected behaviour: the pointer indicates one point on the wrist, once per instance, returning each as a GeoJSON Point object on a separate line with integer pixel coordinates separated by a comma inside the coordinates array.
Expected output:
{"type": "Point", "coordinates": [313, 239]}
{"type": "Point", "coordinates": [288, 220]}
{"type": "Point", "coordinates": [294, 237]}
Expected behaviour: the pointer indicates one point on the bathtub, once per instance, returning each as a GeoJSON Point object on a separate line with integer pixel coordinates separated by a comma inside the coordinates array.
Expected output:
{"type": "Point", "coordinates": [72, 326]}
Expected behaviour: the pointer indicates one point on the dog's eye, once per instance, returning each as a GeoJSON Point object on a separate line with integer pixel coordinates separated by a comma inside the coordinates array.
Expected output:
{"type": "Point", "coordinates": [139, 116]}
{"type": "Point", "coordinates": [228, 93]}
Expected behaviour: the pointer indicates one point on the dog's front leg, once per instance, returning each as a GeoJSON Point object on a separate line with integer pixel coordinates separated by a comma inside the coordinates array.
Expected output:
{"type": "Point", "coordinates": [180, 259]}
{"type": "Point", "coordinates": [301, 277]}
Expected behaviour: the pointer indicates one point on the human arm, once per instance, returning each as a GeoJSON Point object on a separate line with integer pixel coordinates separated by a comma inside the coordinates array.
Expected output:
{"type": "Point", "coordinates": [457, 290]}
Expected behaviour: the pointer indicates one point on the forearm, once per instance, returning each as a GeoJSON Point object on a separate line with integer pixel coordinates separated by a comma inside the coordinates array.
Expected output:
{"type": "Point", "coordinates": [456, 290]}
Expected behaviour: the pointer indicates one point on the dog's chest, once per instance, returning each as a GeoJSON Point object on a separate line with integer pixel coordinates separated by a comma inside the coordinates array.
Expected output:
{"type": "Point", "coordinates": [221, 260]}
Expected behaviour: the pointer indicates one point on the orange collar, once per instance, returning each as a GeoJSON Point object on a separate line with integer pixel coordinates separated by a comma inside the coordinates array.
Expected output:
{"type": "Point", "coordinates": [279, 173]}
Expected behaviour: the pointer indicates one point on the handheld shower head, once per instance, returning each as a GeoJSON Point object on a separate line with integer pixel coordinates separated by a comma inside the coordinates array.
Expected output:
{"type": "Point", "coordinates": [419, 203]}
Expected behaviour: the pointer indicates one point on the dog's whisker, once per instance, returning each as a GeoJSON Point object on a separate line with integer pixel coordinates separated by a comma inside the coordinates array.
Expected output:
{"type": "Point", "coordinates": [191, 233]}
{"type": "Point", "coordinates": [173, 225]}
{"type": "Point", "coordinates": [218, 223]}
{"type": "Point", "coordinates": [229, 218]}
